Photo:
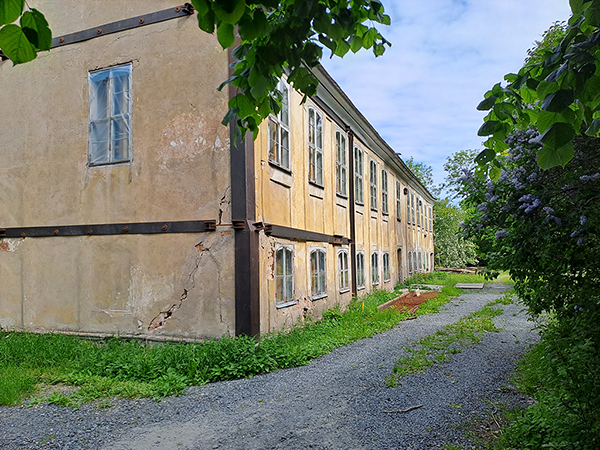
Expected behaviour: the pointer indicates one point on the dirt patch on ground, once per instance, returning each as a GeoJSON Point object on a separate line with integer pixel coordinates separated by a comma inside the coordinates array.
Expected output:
{"type": "Point", "coordinates": [409, 302]}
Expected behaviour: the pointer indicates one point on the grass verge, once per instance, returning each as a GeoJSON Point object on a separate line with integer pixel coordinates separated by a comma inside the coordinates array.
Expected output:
{"type": "Point", "coordinates": [439, 346]}
{"type": "Point", "coordinates": [67, 370]}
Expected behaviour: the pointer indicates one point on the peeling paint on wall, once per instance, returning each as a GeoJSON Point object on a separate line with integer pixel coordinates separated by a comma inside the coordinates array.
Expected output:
{"type": "Point", "coordinates": [10, 245]}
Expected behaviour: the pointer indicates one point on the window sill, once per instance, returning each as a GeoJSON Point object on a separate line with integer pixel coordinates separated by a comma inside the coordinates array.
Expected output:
{"type": "Point", "coordinates": [360, 288]}
{"type": "Point", "coordinates": [318, 297]}
{"type": "Point", "coordinates": [341, 195]}
{"type": "Point", "coordinates": [398, 219]}
{"type": "Point", "coordinates": [343, 291]}
{"type": "Point", "coordinates": [287, 304]}
{"type": "Point", "coordinates": [387, 281]}
{"type": "Point", "coordinates": [315, 190]}
{"type": "Point", "coordinates": [375, 283]}
{"type": "Point", "coordinates": [278, 166]}
{"type": "Point", "coordinates": [112, 163]}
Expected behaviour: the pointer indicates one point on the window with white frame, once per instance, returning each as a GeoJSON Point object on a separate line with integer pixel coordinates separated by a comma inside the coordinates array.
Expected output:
{"type": "Point", "coordinates": [358, 175]}
{"type": "Point", "coordinates": [408, 215]}
{"type": "Point", "coordinates": [430, 219]}
{"type": "Point", "coordinates": [386, 267]}
{"type": "Point", "coordinates": [398, 200]}
{"type": "Point", "coordinates": [419, 261]}
{"type": "Point", "coordinates": [109, 125]}
{"type": "Point", "coordinates": [318, 272]}
{"type": "Point", "coordinates": [410, 266]}
{"type": "Point", "coordinates": [415, 267]}
{"type": "Point", "coordinates": [419, 212]}
{"type": "Point", "coordinates": [384, 192]}
{"type": "Point", "coordinates": [284, 274]}
{"type": "Point", "coordinates": [279, 130]}
{"type": "Point", "coordinates": [340, 163]}
{"type": "Point", "coordinates": [360, 269]}
{"type": "Point", "coordinates": [373, 184]}
{"type": "Point", "coordinates": [343, 270]}
{"type": "Point", "coordinates": [315, 146]}
{"type": "Point", "coordinates": [412, 208]}
{"type": "Point", "coordinates": [375, 267]}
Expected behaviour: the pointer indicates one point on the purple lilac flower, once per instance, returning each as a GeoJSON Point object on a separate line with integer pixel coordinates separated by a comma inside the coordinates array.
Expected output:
{"type": "Point", "coordinates": [484, 218]}
{"type": "Point", "coordinates": [531, 178]}
{"type": "Point", "coordinates": [575, 233]}
{"type": "Point", "coordinates": [581, 241]}
{"type": "Point", "coordinates": [482, 208]}
{"type": "Point", "coordinates": [548, 210]}
{"type": "Point", "coordinates": [582, 220]}
{"type": "Point", "coordinates": [500, 234]}
{"type": "Point", "coordinates": [557, 220]}
{"type": "Point", "coordinates": [590, 177]}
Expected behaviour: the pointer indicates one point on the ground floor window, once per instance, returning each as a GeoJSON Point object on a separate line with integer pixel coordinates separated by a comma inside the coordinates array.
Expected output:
{"type": "Point", "coordinates": [360, 269]}
{"type": "Point", "coordinates": [343, 270]}
{"type": "Point", "coordinates": [317, 272]}
{"type": "Point", "coordinates": [410, 262]}
{"type": "Point", "coordinates": [375, 267]}
{"type": "Point", "coordinates": [284, 275]}
{"type": "Point", "coordinates": [386, 267]}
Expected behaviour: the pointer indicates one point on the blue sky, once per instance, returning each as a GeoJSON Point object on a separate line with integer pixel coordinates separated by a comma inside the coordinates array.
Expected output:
{"type": "Point", "coordinates": [422, 94]}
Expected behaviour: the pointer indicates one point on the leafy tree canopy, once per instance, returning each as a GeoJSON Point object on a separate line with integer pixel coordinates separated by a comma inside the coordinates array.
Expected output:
{"type": "Point", "coordinates": [425, 175]}
{"type": "Point", "coordinates": [557, 91]}
{"type": "Point", "coordinates": [288, 37]}
{"type": "Point", "coordinates": [457, 166]}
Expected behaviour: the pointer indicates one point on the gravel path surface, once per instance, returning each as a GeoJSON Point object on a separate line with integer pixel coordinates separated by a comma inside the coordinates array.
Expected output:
{"type": "Point", "coordinates": [336, 402]}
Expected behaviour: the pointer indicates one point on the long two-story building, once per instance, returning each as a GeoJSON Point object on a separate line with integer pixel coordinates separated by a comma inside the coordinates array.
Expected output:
{"type": "Point", "coordinates": [126, 207]}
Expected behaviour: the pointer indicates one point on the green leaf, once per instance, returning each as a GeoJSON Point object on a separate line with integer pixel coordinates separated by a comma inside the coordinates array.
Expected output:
{"type": "Point", "coordinates": [231, 15]}
{"type": "Point", "coordinates": [253, 26]}
{"type": "Point", "coordinates": [495, 173]}
{"type": "Point", "coordinates": [485, 156]}
{"type": "Point", "coordinates": [15, 44]}
{"type": "Point", "coordinates": [592, 14]}
{"type": "Point", "coordinates": [558, 101]}
{"type": "Point", "coordinates": [356, 43]}
{"type": "Point", "coordinates": [488, 128]}
{"type": "Point", "coordinates": [378, 49]}
{"type": "Point", "coordinates": [225, 34]}
{"type": "Point", "coordinates": [258, 83]}
{"type": "Point", "coordinates": [557, 135]}
{"type": "Point", "coordinates": [549, 157]}
{"type": "Point", "coordinates": [576, 6]}
{"type": "Point", "coordinates": [244, 106]}
{"type": "Point", "coordinates": [206, 22]}
{"type": "Point", "coordinates": [10, 10]}
{"type": "Point", "coordinates": [545, 88]}
{"type": "Point", "coordinates": [487, 103]}
{"type": "Point", "coordinates": [369, 38]}
{"type": "Point", "coordinates": [36, 29]}
{"type": "Point", "coordinates": [594, 128]}
{"type": "Point", "coordinates": [201, 6]}
{"type": "Point", "coordinates": [341, 48]}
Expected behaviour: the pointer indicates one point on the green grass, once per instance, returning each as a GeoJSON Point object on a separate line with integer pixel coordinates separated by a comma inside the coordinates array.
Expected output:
{"type": "Point", "coordinates": [42, 365]}
{"type": "Point", "coordinates": [438, 347]}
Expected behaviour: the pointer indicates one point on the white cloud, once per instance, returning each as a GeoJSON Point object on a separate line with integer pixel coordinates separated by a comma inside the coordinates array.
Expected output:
{"type": "Point", "coordinates": [421, 95]}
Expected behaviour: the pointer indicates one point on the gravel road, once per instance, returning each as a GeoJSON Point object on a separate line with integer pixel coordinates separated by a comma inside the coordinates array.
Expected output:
{"type": "Point", "coordinates": [336, 402]}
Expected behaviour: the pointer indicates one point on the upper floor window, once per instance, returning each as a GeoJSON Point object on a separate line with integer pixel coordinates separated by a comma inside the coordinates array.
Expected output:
{"type": "Point", "coordinates": [375, 267]}
{"type": "Point", "coordinates": [373, 182]}
{"type": "Point", "coordinates": [386, 266]}
{"type": "Point", "coordinates": [315, 146]}
{"type": "Point", "coordinates": [318, 272]}
{"type": "Point", "coordinates": [360, 269]}
{"type": "Point", "coordinates": [358, 175]}
{"type": "Point", "coordinates": [384, 192]}
{"type": "Point", "coordinates": [412, 208]}
{"type": "Point", "coordinates": [343, 270]}
{"type": "Point", "coordinates": [284, 275]}
{"type": "Point", "coordinates": [430, 219]}
{"type": "Point", "coordinates": [398, 202]}
{"type": "Point", "coordinates": [279, 130]}
{"type": "Point", "coordinates": [408, 215]}
{"type": "Point", "coordinates": [340, 163]}
{"type": "Point", "coordinates": [109, 126]}
{"type": "Point", "coordinates": [419, 213]}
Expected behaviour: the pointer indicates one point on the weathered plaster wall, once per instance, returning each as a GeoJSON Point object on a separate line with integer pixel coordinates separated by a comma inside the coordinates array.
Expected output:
{"type": "Point", "coordinates": [175, 285]}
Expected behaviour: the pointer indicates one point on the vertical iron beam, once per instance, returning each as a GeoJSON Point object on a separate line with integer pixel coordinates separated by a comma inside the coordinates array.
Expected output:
{"type": "Point", "coordinates": [243, 209]}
